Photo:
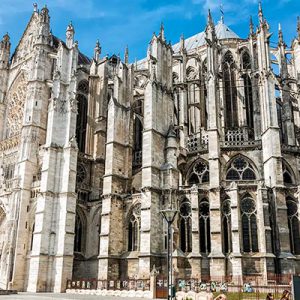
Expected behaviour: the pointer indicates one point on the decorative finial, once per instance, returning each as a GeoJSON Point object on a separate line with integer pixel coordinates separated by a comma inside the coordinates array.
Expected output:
{"type": "Point", "coordinates": [97, 51]}
{"type": "Point", "coordinates": [222, 13]}
{"type": "Point", "coordinates": [35, 7]}
{"type": "Point", "coordinates": [126, 55]}
{"type": "Point", "coordinates": [298, 27]}
{"type": "Point", "coordinates": [162, 31]}
{"type": "Point", "coordinates": [70, 32]}
{"type": "Point", "coordinates": [280, 35]}
{"type": "Point", "coordinates": [251, 26]}
{"type": "Point", "coordinates": [135, 64]}
{"type": "Point", "coordinates": [182, 46]}
{"type": "Point", "coordinates": [209, 19]}
{"type": "Point", "coordinates": [260, 12]}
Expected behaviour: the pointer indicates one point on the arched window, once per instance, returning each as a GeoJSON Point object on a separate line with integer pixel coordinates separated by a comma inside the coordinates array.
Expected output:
{"type": "Point", "coordinates": [199, 173]}
{"type": "Point", "coordinates": [226, 223]}
{"type": "Point", "coordinates": [32, 235]}
{"type": "Point", "coordinates": [194, 113]}
{"type": "Point", "coordinates": [294, 224]}
{"type": "Point", "coordinates": [78, 244]}
{"type": "Point", "coordinates": [204, 226]}
{"type": "Point", "coordinates": [134, 228]}
{"type": "Point", "coordinates": [231, 120]}
{"type": "Point", "coordinates": [287, 174]}
{"type": "Point", "coordinates": [249, 225]}
{"type": "Point", "coordinates": [246, 61]}
{"type": "Point", "coordinates": [82, 107]}
{"type": "Point", "coordinates": [240, 169]}
{"type": "Point", "coordinates": [248, 100]}
{"type": "Point", "coordinates": [81, 122]}
{"type": "Point", "coordinates": [185, 226]}
{"type": "Point", "coordinates": [137, 134]}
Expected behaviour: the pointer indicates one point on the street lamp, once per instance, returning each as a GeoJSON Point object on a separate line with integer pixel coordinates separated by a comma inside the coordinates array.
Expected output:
{"type": "Point", "coordinates": [169, 216]}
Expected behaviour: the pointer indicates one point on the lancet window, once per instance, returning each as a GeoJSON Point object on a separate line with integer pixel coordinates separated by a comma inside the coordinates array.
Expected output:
{"type": "Point", "coordinates": [204, 226]}
{"type": "Point", "coordinates": [249, 224]}
{"type": "Point", "coordinates": [82, 105]}
{"type": "Point", "coordinates": [185, 226]}
{"type": "Point", "coordinates": [137, 133]}
{"type": "Point", "coordinates": [134, 229]}
{"type": "Point", "coordinates": [78, 239]}
{"type": "Point", "coordinates": [248, 100]}
{"type": "Point", "coordinates": [240, 169]}
{"type": "Point", "coordinates": [226, 226]}
{"type": "Point", "coordinates": [230, 91]}
{"type": "Point", "coordinates": [294, 224]}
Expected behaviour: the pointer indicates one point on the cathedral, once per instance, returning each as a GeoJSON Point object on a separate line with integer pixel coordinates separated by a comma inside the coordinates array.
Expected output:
{"type": "Point", "coordinates": [92, 149]}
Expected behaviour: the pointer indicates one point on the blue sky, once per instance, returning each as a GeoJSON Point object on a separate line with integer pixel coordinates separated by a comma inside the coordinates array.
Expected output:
{"type": "Point", "coordinates": [117, 23]}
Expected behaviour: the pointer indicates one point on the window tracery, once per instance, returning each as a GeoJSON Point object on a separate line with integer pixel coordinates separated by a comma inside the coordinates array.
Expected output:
{"type": "Point", "coordinates": [293, 224]}
{"type": "Point", "coordinates": [230, 90]}
{"type": "Point", "coordinates": [287, 174]}
{"type": "Point", "coordinates": [240, 169]}
{"type": "Point", "coordinates": [15, 107]}
{"type": "Point", "coordinates": [249, 224]}
{"type": "Point", "coordinates": [246, 61]}
{"type": "Point", "coordinates": [226, 223]}
{"type": "Point", "coordinates": [199, 173]}
{"type": "Point", "coordinates": [185, 225]}
{"type": "Point", "coordinates": [134, 228]}
{"type": "Point", "coordinates": [204, 226]}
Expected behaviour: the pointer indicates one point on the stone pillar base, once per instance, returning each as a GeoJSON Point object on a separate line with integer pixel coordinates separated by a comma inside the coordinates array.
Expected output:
{"type": "Point", "coordinates": [217, 267]}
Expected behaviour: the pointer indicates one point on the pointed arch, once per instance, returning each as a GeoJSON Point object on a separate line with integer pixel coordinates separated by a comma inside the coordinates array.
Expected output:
{"type": "Point", "coordinates": [198, 172]}
{"type": "Point", "coordinates": [226, 225]}
{"type": "Point", "coordinates": [245, 59]}
{"type": "Point", "coordinates": [80, 226]}
{"type": "Point", "coordinates": [287, 173]}
{"type": "Point", "coordinates": [293, 216]}
{"type": "Point", "coordinates": [230, 91]}
{"type": "Point", "coordinates": [204, 226]}
{"type": "Point", "coordinates": [249, 223]}
{"type": "Point", "coordinates": [185, 225]}
{"type": "Point", "coordinates": [134, 228]}
{"type": "Point", "coordinates": [241, 168]}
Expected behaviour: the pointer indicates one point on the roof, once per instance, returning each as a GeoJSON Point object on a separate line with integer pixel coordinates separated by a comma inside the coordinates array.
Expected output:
{"type": "Point", "coordinates": [222, 31]}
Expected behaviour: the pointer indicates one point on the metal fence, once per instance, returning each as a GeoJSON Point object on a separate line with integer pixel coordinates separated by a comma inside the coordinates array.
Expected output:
{"type": "Point", "coordinates": [128, 284]}
{"type": "Point", "coordinates": [244, 287]}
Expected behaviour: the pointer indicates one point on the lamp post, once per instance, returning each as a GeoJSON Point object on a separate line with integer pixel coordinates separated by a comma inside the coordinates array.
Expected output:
{"type": "Point", "coordinates": [169, 216]}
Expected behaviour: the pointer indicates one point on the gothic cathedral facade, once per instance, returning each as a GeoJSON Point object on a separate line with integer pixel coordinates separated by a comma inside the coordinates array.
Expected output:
{"type": "Point", "coordinates": [92, 149]}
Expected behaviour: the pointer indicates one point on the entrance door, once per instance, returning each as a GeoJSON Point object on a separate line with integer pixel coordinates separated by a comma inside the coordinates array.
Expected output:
{"type": "Point", "coordinates": [161, 288]}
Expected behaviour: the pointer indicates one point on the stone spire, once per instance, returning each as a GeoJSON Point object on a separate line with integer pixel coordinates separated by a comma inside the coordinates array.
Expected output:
{"type": "Point", "coordinates": [251, 26]}
{"type": "Point", "coordinates": [210, 21]}
{"type": "Point", "coordinates": [35, 7]}
{"type": "Point", "coordinates": [162, 32]}
{"type": "Point", "coordinates": [97, 51]}
{"type": "Point", "coordinates": [298, 28]}
{"type": "Point", "coordinates": [44, 15]}
{"type": "Point", "coordinates": [4, 51]}
{"type": "Point", "coordinates": [280, 36]}
{"type": "Point", "coordinates": [182, 44]}
{"type": "Point", "coordinates": [126, 55]}
{"type": "Point", "coordinates": [260, 13]}
{"type": "Point", "coordinates": [70, 32]}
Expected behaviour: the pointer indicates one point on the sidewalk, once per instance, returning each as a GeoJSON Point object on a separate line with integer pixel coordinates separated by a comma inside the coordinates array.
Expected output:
{"type": "Point", "coordinates": [49, 296]}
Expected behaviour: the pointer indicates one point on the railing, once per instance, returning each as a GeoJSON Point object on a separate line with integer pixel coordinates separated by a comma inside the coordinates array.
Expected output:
{"type": "Point", "coordinates": [129, 284]}
{"type": "Point", "coordinates": [246, 287]}
{"type": "Point", "coordinates": [10, 184]}
{"type": "Point", "coordinates": [197, 142]}
{"type": "Point", "coordinates": [240, 137]}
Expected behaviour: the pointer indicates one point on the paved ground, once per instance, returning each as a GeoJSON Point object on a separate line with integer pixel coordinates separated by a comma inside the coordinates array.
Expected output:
{"type": "Point", "coordinates": [48, 296]}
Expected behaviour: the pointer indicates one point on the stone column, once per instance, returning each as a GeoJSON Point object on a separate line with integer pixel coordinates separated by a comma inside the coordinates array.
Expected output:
{"type": "Point", "coordinates": [235, 256]}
